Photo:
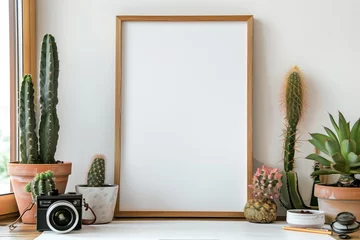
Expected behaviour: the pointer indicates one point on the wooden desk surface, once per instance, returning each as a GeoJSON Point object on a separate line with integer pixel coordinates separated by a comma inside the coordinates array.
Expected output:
{"type": "Point", "coordinates": [28, 231]}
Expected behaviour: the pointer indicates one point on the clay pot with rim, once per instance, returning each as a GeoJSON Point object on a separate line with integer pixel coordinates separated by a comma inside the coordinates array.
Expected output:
{"type": "Point", "coordinates": [333, 200]}
{"type": "Point", "coordinates": [21, 174]}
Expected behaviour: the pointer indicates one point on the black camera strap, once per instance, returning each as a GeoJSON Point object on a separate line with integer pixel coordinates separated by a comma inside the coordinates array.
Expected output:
{"type": "Point", "coordinates": [32, 203]}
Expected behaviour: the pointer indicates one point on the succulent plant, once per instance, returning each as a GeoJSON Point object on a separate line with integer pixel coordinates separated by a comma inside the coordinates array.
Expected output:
{"type": "Point", "coordinates": [266, 183]}
{"type": "Point", "coordinates": [96, 173]}
{"type": "Point", "coordinates": [293, 102]}
{"type": "Point", "coordinates": [49, 122]}
{"type": "Point", "coordinates": [42, 183]}
{"type": "Point", "coordinates": [342, 147]}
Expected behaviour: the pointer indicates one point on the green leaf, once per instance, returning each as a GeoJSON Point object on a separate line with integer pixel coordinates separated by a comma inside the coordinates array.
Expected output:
{"type": "Point", "coordinates": [331, 134]}
{"type": "Point", "coordinates": [295, 195]}
{"type": "Point", "coordinates": [341, 167]}
{"type": "Point", "coordinates": [354, 171]}
{"type": "Point", "coordinates": [355, 165]}
{"type": "Point", "coordinates": [323, 161]}
{"type": "Point", "coordinates": [357, 140]}
{"type": "Point", "coordinates": [353, 158]}
{"type": "Point", "coordinates": [332, 146]}
{"type": "Point", "coordinates": [324, 172]}
{"type": "Point", "coordinates": [354, 130]}
{"type": "Point", "coordinates": [344, 130]}
{"type": "Point", "coordinates": [336, 127]}
{"type": "Point", "coordinates": [347, 146]}
{"type": "Point", "coordinates": [338, 158]}
{"type": "Point", "coordinates": [285, 193]}
{"type": "Point", "coordinates": [319, 141]}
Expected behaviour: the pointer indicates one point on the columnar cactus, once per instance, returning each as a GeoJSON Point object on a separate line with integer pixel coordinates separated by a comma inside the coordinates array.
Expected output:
{"type": "Point", "coordinates": [27, 122]}
{"type": "Point", "coordinates": [96, 174]}
{"type": "Point", "coordinates": [49, 122]}
{"type": "Point", "coordinates": [293, 102]}
{"type": "Point", "coordinates": [42, 183]}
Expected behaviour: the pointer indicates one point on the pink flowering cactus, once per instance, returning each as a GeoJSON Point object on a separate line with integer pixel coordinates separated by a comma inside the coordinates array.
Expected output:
{"type": "Point", "coordinates": [266, 183]}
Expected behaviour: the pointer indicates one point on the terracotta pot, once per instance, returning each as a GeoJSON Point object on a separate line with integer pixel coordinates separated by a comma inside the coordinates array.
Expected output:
{"type": "Point", "coordinates": [21, 174]}
{"type": "Point", "coordinates": [333, 200]}
{"type": "Point", "coordinates": [101, 199]}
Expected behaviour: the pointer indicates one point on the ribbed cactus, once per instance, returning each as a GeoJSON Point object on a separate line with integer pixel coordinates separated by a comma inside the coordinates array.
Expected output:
{"type": "Point", "coordinates": [41, 184]}
{"type": "Point", "coordinates": [293, 102]}
{"type": "Point", "coordinates": [96, 174]}
{"type": "Point", "coordinates": [49, 122]}
{"type": "Point", "coordinates": [27, 122]}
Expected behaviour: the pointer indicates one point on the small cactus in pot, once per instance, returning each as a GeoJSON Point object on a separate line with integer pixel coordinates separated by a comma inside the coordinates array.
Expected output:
{"type": "Point", "coordinates": [96, 174]}
{"type": "Point", "coordinates": [42, 183]}
{"type": "Point", "coordinates": [266, 187]}
{"type": "Point", "coordinates": [101, 197]}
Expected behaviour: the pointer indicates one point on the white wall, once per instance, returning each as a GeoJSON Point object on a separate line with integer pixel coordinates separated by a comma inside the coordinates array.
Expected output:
{"type": "Point", "coordinates": [321, 37]}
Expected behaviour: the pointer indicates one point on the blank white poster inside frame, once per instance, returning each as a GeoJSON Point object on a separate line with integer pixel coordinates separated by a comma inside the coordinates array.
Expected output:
{"type": "Point", "coordinates": [183, 143]}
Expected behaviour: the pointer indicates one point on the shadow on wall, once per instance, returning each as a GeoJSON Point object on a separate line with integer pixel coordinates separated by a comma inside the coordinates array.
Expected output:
{"type": "Point", "coordinates": [281, 211]}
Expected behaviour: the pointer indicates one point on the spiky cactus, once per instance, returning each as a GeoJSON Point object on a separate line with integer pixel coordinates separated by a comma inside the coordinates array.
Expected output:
{"type": "Point", "coordinates": [42, 183]}
{"type": "Point", "coordinates": [293, 102]}
{"type": "Point", "coordinates": [27, 122]}
{"type": "Point", "coordinates": [96, 174]}
{"type": "Point", "coordinates": [49, 122]}
{"type": "Point", "coordinates": [266, 184]}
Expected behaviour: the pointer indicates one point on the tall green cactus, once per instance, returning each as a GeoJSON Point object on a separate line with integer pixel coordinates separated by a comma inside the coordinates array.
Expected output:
{"type": "Point", "coordinates": [27, 122]}
{"type": "Point", "coordinates": [293, 100]}
{"type": "Point", "coordinates": [42, 183]}
{"type": "Point", "coordinates": [49, 123]}
{"type": "Point", "coordinates": [96, 174]}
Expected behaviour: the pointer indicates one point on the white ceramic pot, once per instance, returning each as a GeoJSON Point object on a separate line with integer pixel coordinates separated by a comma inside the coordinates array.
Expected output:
{"type": "Point", "coordinates": [305, 218]}
{"type": "Point", "coordinates": [101, 199]}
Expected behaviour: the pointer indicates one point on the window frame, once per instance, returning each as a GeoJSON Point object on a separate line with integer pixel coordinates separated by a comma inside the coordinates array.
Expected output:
{"type": "Point", "coordinates": [8, 207]}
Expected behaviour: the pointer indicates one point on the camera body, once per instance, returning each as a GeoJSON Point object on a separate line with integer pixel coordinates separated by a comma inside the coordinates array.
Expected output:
{"type": "Point", "coordinates": [60, 213]}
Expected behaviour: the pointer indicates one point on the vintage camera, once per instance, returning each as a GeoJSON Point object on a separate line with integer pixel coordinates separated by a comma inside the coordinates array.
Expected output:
{"type": "Point", "coordinates": [60, 213]}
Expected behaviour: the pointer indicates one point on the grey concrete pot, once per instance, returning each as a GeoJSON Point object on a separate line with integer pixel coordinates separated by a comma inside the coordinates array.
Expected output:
{"type": "Point", "coordinates": [101, 199]}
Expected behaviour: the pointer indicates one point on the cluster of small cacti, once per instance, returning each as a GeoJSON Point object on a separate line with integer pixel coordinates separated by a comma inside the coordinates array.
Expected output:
{"type": "Point", "coordinates": [96, 174]}
{"type": "Point", "coordinates": [42, 183]}
{"type": "Point", "coordinates": [266, 183]}
{"type": "Point", "coordinates": [49, 122]}
{"type": "Point", "coordinates": [293, 102]}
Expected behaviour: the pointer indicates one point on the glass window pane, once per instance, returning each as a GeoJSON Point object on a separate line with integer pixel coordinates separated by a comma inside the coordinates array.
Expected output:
{"type": "Point", "coordinates": [4, 96]}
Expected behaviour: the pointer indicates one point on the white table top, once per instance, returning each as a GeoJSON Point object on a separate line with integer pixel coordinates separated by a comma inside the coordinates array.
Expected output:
{"type": "Point", "coordinates": [185, 230]}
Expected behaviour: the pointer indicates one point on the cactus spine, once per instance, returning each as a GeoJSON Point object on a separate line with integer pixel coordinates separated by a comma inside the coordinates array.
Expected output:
{"type": "Point", "coordinates": [49, 123]}
{"type": "Point", "coordinates": [293, 102]}
{"type": "Point", "coordinates": [27, 122]}
{"type": "Point", "coordinates": [30, 152]}
{"type": "Point", "coordinates": [42, 183]}
{"type": "Point", "coordinates": [96, 174]}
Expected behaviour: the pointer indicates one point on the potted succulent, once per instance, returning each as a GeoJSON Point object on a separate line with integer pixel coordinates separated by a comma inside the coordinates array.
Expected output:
{"type": "Point", "coordinates": [266, 185]}
{"type": "Point", "coordinates": [100, 197]}
{"type": "Point", "coordinates": [342, 150]}
{"type": "Point", "coordinates": [37, 152]}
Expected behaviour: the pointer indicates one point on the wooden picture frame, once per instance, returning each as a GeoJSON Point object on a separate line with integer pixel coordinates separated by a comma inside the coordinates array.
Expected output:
{"type": "Point", "coordinates": [183, 124]}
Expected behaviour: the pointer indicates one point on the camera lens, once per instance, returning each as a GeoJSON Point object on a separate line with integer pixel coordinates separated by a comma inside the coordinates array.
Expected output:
{"type": "Point", "coordinates": [62, 217]}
